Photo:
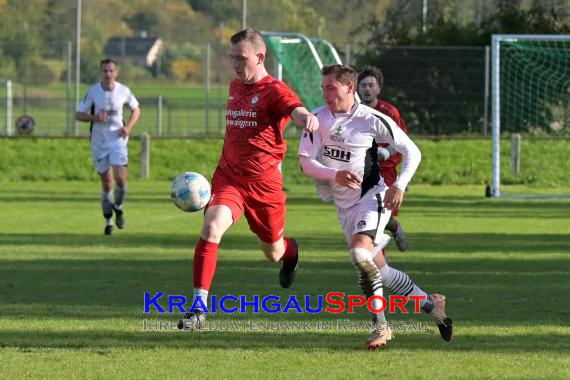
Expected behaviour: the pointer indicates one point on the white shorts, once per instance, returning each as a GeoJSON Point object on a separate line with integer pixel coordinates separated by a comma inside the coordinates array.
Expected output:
{"type": "Point", "coordinates": [117, 156]}
{"type": "Point", "coordinates": [366, 217]}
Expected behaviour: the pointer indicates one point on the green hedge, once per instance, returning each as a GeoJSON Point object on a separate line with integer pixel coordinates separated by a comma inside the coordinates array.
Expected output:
{"type": "Point", "coordinates": [544, 162]}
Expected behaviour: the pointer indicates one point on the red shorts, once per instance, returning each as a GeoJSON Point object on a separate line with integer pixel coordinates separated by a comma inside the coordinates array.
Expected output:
{"type": "Point", "coordinates": [262, 201]}
{"type": "Point", "coordinates": [390, 175]}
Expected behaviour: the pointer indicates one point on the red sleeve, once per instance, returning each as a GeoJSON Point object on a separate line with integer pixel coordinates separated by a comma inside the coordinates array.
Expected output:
{"type": "Point", "coordinates": [287, 100]}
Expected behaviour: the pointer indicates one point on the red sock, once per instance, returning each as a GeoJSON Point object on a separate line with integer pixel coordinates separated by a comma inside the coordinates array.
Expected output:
{"type": "Point", "coordinates": [205, 259]}
{"type": "Point", "coordinates": [290, 251]}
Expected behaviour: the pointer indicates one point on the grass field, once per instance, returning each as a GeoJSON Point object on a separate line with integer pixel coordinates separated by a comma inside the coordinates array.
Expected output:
{"type": "Point", "coordinates": [71, 299]}
{"type": "Point", "coordinates": [544, 163]}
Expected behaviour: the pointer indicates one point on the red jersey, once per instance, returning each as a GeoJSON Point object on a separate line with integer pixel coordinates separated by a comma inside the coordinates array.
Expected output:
{"type": "Point", "coordinates": [391, 111]}
{"type": "Point", "coordinates": [256, 116]}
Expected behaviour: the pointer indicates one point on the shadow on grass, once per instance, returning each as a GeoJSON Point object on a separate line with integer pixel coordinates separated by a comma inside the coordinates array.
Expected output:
{"type": "Point", "coordinates": [479, 290]}
{"type": "Point", "coordinates": [421, 242]}
{"type": "Point", "coordinates": [141, 196]}
{"type": "Point", "coordinates": [420, 204]}
{"type": "Point", "coordinates": [308, 342]}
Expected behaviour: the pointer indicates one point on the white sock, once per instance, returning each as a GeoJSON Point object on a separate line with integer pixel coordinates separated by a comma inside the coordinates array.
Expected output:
{"type": "Point", "coordinates": [203, 295]}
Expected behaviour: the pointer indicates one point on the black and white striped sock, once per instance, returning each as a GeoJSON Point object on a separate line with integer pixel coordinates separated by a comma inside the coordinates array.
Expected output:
{"type": "Point", "coordinates": [401, 284]}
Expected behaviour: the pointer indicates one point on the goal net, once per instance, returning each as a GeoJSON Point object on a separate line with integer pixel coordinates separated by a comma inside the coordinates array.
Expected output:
{"type": "Point", "coordinates": [299, 61]}
{"type": "Point", "coordinates": [530, 94]}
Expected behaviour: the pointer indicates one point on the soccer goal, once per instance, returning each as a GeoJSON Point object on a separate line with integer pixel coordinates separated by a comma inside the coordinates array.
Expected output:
{"type": "Point", "coordinates": [301, 59]}
{"type": "Point", "coordinates": [326, 51]}
{"type": "Point", "coordinates": [530, 91]}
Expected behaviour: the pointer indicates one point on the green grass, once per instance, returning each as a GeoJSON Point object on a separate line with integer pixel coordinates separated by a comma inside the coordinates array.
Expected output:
{"type": "Point", "coordinates": [176, 91]}
{"type": "Point", "coordinates": [452, 162]}
{"type": "Point", "coordinates": [71, 300]}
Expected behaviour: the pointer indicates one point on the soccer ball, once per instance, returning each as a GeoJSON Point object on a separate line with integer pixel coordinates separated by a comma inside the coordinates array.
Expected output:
{"type": "Point", "coordinates": [190, 192]}
{"type": "Point", "coordinates": [25, 125]}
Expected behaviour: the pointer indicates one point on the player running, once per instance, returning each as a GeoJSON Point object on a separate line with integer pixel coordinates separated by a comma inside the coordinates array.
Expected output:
{"type": "Point", "coordinates": [342, 155]}
{"type": "Point", "coordinates": [102, 106]}
{"type": "Point", "coordinates": [247, 180]}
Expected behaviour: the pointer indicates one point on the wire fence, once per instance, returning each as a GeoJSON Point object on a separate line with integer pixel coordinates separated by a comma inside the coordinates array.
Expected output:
{"type": "Point", "coordinates": [438, 90]}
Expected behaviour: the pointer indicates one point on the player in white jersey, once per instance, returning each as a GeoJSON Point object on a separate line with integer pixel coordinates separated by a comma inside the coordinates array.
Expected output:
{"type": "Point", "coordinates": [102, 106]}
{"type": "Point", "coordinates": [342, 156]}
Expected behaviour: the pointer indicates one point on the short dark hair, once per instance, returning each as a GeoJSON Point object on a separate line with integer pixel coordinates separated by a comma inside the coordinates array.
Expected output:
{"type": "Point", "coordinates": [249, 35]}
{"type": "Point", "coordinates": [108, 60]}
{"type": "Point", "coordinates": [370, 71]}
{"type": "Point", "coordinates": [343, 74]}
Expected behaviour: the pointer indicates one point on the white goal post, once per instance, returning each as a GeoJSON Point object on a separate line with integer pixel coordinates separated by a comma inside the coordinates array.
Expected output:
{"type": "Point", "coordinates": [9, 106]}
{"type": "Point", "coordinates": [532, 55]}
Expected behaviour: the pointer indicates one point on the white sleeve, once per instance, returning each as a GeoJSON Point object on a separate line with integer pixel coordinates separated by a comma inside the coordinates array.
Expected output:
{"type": "Point", "coordinates": [315, 169]}
{"type": "Point", "coordinates": [324, 190]}
{"type": "Point", "coordinates": [390, 133]}
{"type": "Point", "coordinates": [132, 102]}
{"type": "Point", "coordinates": [87, 102]}
{"type": "Point", "coordinates": [308, 152]}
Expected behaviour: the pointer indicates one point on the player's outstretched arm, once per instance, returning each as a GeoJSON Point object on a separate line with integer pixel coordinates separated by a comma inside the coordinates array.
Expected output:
{"type": "Point", "coordinates": [305, 119]}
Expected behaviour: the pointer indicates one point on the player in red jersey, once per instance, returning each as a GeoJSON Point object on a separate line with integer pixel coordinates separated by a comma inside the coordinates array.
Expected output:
{"type": "Point", "coordinates": [370, 82]}
{"type": "Point", "coordinates": [248, 180]}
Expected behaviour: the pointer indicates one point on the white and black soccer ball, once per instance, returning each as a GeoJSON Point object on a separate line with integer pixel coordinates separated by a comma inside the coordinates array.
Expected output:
{"type": "Point", "coordinates": [25, 125]}
{"type": "Point", "coordinates": [190, 192]}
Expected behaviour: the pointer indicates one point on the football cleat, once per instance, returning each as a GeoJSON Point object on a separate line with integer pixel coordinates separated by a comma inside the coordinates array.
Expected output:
{"type": "Point", "coordinates": [288, 272]}
{"type": "Point", "coordinates": [119, 218]}
{"type": "Point", "coordinates": [192, 321]}
{"type": "Point", "coordinates": [443, 322]}
{"type": "Point", "coordinates": [108, 230]}
{"type": "Point", "coordinates": [401, 239]}
{"type": "Point", "coordinates": [379, 337]}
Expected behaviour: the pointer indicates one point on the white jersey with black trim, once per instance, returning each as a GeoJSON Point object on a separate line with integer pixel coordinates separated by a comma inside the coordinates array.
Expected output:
{"type": "Point", "coordinates": [349, 142]}
{"type": "Point", "coordinates": [106, 134]}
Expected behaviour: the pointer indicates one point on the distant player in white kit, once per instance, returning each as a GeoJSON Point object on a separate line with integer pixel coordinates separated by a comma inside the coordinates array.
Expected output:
{"type": "Point", "coordinates": [342, 156]}
{"type": "Point", "coordinates": [102, 106]}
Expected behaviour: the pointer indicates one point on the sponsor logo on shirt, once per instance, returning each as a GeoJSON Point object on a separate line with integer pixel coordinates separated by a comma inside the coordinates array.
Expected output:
{"type": "Point", "coordinates": [254, 99]}
{"type": "Point", "coordinates": [336, 153]}
{"type": "Point", "coordinates": [336, 135]}
{"type": "Point", "coordinates": [236, 118]}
